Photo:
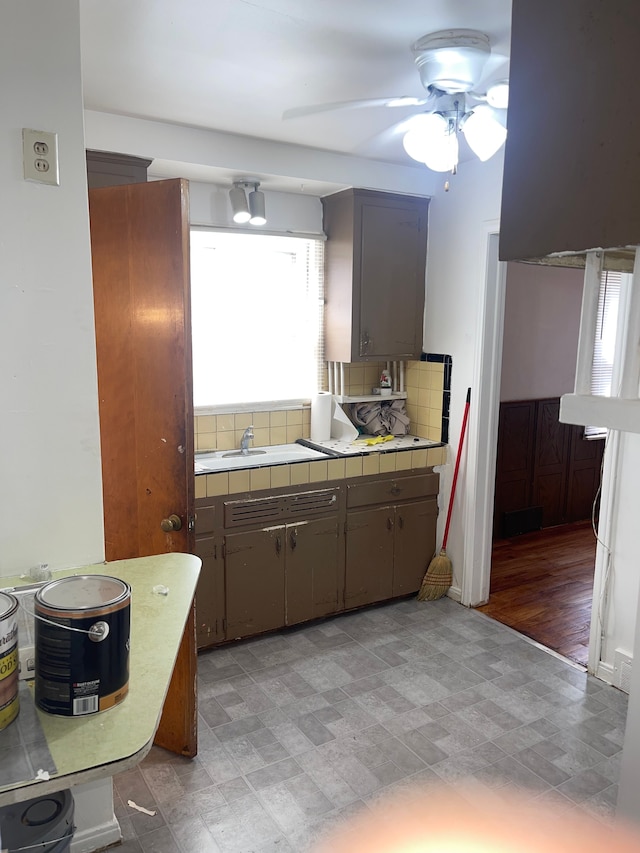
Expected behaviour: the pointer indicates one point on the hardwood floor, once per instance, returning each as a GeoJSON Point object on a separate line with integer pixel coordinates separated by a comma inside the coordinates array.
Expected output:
{"type": "Point", "coordinates": [542, 586]}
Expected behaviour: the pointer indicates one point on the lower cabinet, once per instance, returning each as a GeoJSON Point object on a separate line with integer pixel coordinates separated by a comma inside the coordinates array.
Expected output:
{"type": "Point", "coordinates": [388, 547]}
{"type": "Point", "coordinates": [301, 554]}
{"type": "Point", "coordinates": [280, 576]}
{"type": "Point", "coordinates": [313, 576]}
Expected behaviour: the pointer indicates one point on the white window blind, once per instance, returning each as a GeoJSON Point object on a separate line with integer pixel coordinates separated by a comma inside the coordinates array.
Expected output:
{"type": "Point", "coordinates": [257, 303]}
{"type": "Point", "coordinates": [605, 341]}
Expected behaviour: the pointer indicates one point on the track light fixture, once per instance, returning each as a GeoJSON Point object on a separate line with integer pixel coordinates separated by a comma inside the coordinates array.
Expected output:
{"type": "Point", "coordinates": [251, 210]}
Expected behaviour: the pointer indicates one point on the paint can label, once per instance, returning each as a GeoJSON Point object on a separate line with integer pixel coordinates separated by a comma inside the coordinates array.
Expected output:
{"type": "Point", "coordinates": [82, 655]}
{"type": "Point", "coordinates": [9, 703]}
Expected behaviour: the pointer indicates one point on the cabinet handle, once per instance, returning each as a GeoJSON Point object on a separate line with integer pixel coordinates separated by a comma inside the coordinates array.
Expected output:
{"type": "Point", "coordinates": [364, 342]}
{"type": "Point", "coordinates": [389, 523]}
{"type": "Point", "coordinates": [395, 490]}
{"type": "Point", "coordinates": [294, 540]}
{"type": "Point", "coordinates": [400, 522]}
{"type": "Point", "coordinates": [278, 544]}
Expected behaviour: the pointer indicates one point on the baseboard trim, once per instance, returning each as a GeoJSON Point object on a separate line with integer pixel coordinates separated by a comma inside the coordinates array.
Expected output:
{"type": "Point", "coordinates": [605, 672]}
{"type": "Point", "coordinates": [454, 593]}
{"type": "Point", "coordinates": [96, 837]}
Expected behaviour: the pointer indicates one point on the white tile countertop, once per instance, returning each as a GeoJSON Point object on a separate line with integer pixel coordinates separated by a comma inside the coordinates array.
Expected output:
{"type": "Point", "coordinates": [342, 447]}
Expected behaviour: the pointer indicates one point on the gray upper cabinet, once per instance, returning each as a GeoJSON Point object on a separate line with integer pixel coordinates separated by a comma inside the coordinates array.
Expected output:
{"type": "Point", "coordinates": [374, 275]}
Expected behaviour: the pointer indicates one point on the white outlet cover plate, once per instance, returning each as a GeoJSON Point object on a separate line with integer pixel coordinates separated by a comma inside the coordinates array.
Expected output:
{"type": "Point", "coordinates": [40, 156]}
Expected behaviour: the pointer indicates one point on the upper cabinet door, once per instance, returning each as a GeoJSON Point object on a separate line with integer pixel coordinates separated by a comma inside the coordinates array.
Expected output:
{"type": "Point", "coordinates": [573, 140]}
{"type": "Point", "coordinates": [375, 275]}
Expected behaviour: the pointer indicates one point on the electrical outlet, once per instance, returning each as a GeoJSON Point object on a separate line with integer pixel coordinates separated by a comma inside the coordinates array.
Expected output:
{"type": "Point", "coordinates": [40, 155]}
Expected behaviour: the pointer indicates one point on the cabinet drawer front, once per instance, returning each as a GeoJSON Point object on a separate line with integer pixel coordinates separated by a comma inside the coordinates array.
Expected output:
{"type": "Point", "coordinates": [397, 489]}
{"type": "Point", "coordinates": [205, 520]}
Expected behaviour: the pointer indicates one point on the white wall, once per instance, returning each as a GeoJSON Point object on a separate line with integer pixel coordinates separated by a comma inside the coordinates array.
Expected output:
{"type": "Point", "coordinates": [50, 478]}
{"type": "Point", "coordinates": [619, 608]}
{"type": "Point", "coordinates": [541, 324]}
{"type": "Point", "coordinates": [459, 223]}
{"type": "Point", "coordinates": [188, 152]}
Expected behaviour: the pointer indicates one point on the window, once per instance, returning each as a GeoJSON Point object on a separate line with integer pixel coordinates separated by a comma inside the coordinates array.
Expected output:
{"type": "Point", "coordinates": [257, 307]}
{"type": "Point", "coordinates": [605, 341]}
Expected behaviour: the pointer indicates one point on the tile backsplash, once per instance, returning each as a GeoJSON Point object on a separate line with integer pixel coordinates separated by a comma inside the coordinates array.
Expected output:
{"type": "Point", "coordinates": [424, 383]}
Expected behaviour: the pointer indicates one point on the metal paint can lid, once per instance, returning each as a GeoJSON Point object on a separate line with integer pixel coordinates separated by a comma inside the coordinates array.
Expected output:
{"type": "Point", "coordinates": [83, 592]}
{"type": "Point", "coordinates": [39, 822]}
{"type": "Point", "coordinates": [8, 603]}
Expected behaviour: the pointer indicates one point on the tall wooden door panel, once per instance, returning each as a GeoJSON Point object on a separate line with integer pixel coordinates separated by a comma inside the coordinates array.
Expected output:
{"type": "Point", "coordinates": [254, 580]}
{"type": "Point", "coordinates": [550, 463]}
{"type": "Point", "coordinates": [415, 544]}
{"type": "Point", "coordinates": [514, 468]}
{"type": "Point", "coordinates": [312, 580]}
{"type": "Point", "coordinates": [140, 256]}
{"type": "Point", "coordinates": [585, 463]}
{"type": "Point", "coordinates": [369, 556]}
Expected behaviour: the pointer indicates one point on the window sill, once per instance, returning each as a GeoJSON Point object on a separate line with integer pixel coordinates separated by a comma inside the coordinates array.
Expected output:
{"type": "Point", "coordinates": [262, 406]}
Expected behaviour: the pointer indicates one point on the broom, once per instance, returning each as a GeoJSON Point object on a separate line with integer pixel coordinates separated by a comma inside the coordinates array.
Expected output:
{"type": "Point", "coordinates": [439, 574]}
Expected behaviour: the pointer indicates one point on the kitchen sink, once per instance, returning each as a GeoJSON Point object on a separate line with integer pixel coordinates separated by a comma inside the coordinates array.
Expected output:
{"type": "Point", "coordinates": [274, 454]}
{"type": "Point", "coordinates": [243, 453]}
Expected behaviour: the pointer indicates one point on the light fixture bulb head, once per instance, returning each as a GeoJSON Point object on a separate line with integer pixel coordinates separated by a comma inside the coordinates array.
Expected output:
{"type": "Point", "coordinates": [239, 206]}
{"type": "Point", "coordinates": [257, 207]}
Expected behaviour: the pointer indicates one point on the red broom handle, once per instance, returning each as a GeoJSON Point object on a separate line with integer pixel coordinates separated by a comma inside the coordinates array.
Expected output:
{"type": "Point", "coordinates": [457, 468]}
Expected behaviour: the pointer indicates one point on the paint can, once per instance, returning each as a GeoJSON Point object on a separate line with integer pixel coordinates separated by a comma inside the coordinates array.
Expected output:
{"type": "Point", "coordinates": [82, 644]}
{"type": "Point", "coordinates": [9, 702]}
{"type": "Point", "coordinates": [44, 824]}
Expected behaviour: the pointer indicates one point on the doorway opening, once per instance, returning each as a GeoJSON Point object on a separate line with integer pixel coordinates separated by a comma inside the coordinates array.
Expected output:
{"type": "Point", "coordinates": [541, 581]}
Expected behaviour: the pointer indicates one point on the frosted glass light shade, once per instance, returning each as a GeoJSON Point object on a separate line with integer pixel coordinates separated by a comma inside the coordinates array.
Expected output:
{"type": "Point", "coordinates": [430, 141]}
{"type": "Point", "coordinates": [483, 132]}
{"type": "Point", "coordinates": [498, 95]}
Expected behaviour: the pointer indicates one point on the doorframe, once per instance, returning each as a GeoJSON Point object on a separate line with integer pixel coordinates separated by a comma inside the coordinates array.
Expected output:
{"type": "Point", "coordinates": [483, 435]}
{"type": "Point", "coordinates": [483, 426]}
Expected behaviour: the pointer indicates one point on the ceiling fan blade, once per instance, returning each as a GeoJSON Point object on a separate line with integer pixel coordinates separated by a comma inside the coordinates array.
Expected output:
{"type": "Point", "coordinates": [403, 101]}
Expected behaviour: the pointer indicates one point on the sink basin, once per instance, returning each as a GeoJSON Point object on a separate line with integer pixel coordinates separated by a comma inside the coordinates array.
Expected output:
{"type": "Point", "coordinates": [274, 454]}
{"type": "Point", "coordinates": [240, 453]}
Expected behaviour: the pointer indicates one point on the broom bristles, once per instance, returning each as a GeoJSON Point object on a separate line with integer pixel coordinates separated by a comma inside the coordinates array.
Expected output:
{"type": "Point", "coordinates": [438, 578]}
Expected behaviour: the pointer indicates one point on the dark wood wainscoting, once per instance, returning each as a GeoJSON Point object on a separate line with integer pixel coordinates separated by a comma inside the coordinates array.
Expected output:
{"type": "Point", "coordinates": [546, 474]}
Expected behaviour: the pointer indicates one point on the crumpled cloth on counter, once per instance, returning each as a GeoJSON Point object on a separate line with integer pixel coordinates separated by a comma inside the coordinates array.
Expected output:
{"type": "Point", "coordinates": [387, 417]}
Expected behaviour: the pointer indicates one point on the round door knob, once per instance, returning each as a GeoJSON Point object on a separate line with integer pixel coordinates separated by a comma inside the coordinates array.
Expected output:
{"type": "Point", "coordinates": [174, 522]}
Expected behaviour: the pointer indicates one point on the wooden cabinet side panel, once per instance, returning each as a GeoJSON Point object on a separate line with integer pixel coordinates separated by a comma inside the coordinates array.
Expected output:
{"type": "Point", "coordinates": [369, 556]}
{"type": "Point", "coordinates": [340, 314]}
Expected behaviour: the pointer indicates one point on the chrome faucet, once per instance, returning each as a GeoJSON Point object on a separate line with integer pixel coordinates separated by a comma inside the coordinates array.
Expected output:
{"type": "Point", "coordinates": [247, 435]}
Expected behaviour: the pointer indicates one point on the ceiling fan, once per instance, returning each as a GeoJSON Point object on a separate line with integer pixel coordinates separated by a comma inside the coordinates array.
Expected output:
{"type": "Point", "coordinates": [453, 67]}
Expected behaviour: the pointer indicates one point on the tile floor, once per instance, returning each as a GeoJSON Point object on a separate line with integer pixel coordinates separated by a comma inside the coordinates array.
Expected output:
{"type": "Point", "coordinates": [299, 728]}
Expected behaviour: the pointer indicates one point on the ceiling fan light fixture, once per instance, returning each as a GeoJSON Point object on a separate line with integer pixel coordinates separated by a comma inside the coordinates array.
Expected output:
{"type": "Point", "coordinates": [498, 95]}
{"type": "Point", "coordinates": [239, 205]}
{"type": "Point", "coordinates": [429, 140]}
{"type": "Point", "coordinates": [451, 60]}
{"type": "Point", "coordinates": [483, 132]}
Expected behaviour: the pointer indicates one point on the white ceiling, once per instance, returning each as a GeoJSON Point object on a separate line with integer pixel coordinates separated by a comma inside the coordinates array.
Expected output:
{"type": "Point", "coordinates": [237, 65]}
